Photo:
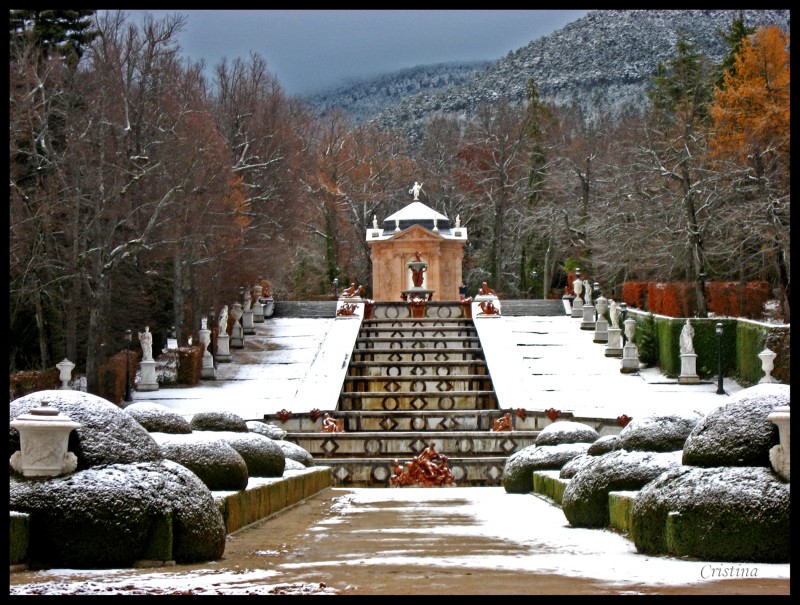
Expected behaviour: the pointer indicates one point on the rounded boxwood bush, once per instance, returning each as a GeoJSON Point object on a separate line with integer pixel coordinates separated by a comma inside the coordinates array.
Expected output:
{"type": "Point", "coordinates": [107, 435]}
{"type": "Point", "coordinates": [295, 452]}
{"type": "Point", "coordinates": [566, 431]}
{"type": "Point", "coordinates": [518, 471]}
{"type": "Point", "coordinates": [571, 468]}
{"type": "Point", "coordinates": [716, 514]}
{"type": "Point", "coordinates": [658, 433]}
{"type": "Point", "coordinates": [739, 432]}
{"type": "Point", "coordinates": [606, 443]}
{"type": "Point", "coordinates": [157, 418]}
{"type": "Point", "coordinates": [214, 461]}
{"type": "Point", "coordinates": [293, 465]}
{"type": "Point", "coordinates": [585, 500]}
{"type": "Point", "coordinates": [266, 429]}
{"type": "Point", "coordinates": [113, 515]}
{"type": "Point", "coordinates": [218, 421]}
{"type": "Point", "coordinates": [263, 456]}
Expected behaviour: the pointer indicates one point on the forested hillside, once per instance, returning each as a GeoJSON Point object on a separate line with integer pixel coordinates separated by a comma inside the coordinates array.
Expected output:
{"type": "Point", "coordinates": [145, 193]}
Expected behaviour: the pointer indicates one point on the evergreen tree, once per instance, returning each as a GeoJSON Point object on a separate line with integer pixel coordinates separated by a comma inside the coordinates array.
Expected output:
{"type": "Point", "coordinates": [535, 116]}
{"type": "Point", "coordinates": [646, 341]}
{"type": "Point", "coordinates": [736, 34]}
{"type": "Point", "coordinates": [66, 32]}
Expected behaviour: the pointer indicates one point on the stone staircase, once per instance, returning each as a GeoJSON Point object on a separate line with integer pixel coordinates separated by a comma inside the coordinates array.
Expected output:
{"type": "Point", "coordinates": [411, 381]}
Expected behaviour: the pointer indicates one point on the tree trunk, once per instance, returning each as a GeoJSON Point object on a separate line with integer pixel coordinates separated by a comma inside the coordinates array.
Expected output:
{"type": "Point", "coordinates": [95, 347]}
{"type": "Point", "coordinates": [178, 312]}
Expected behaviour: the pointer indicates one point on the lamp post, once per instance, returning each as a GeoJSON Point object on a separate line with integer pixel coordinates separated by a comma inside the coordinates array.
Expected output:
{"type": "Point", "coordinates": [595, 296]}
{"type": "Point", "coordinates": [720, 390]}
{"type": "Point", "coordinates": [534, 274]}
{"type": "Point", "coordinates": [127, 365]}
{"type": "Point", "coordinates": [241, 294]}
{"type": "Point", "coordinates": [336, 287]}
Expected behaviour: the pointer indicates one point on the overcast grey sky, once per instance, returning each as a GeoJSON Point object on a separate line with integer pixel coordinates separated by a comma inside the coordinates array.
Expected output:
{"type": "Point", "coordinates": [312, 49]}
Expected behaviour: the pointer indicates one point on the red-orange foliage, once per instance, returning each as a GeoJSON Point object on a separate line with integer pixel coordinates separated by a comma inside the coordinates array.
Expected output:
{"type": "Point", "coordinates": [634, 293]}
{"type": "Point", "coordinates": [734, 299]}
{"type": "Point", "coordinates": [671, 298]}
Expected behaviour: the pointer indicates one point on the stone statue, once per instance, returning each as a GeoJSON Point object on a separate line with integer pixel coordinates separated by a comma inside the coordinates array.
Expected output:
{"type": "Point", "coordinates": [223, 321]}
{"type": "Point", "coordinates": [612, 314]}
{"type": "Point", "coordinates": [146, 338]}
{"type": "Point", "coordinates": [458, 221]}
{"type": "Point", "coordinates": [415, 190]}
{"type": "Point", "coordinates": [485, 290]}
{"type": "Point", "coordinates": [587, 299]}
{"type": "Point", "coordinates": [374, 222]}
{"type": "Point", "coordinates": [687, 336]}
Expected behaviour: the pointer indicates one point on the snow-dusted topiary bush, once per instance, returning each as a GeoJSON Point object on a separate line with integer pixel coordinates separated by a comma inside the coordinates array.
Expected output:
{"type": "Point", "coordinates": [293, 465]}
{"type": "Point", "coordinates": [518, 471]}
{"type": "Point", "coordinates": [716, 514]}
{"type": "Point", "coordinates": [295, 452]}
{"type": "Point", "coordinates": [566, 431]}
{"type": "Point", "coordinates": [158, 418]}
{"type": "Point", "coordinates": [108, 434]}
{"type": "Point", "coordinates": [605, 444]}
{"type": "Point", "coordinates": [738, 433]}
{"type": "Point", "coordinates": [585, 500]}
{"type": "Point", "coordinates": [569, 470]}
{"type": "Point", "coordinates": [113, 515]}
{"type": "Point", "coordinates": [219, 421]}
{"type": "Point", "coordinates": [658, 433]}
{"type": "Point", "coordinates": [214, 461]}
{"type": "Point", "coordinates": [263, 456]}
{"type": "Point", "coordinates": [267, 429]}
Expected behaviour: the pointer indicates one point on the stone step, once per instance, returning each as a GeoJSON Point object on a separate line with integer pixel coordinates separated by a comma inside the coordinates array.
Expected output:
{"type": "Point", "coordinates": [388, 385]}
{"type": "Point", "coordinates": [409, 400]}
{"type": "Point", "coordinates": [402, 369]}
{"type": "Point", "coordinates": [421, 322]}
{"type": "Point", "coordinates": [399, 331]}
{"type": "Point", "coordinates": [486, 471]}
{"type": "Point", "coordinates": [417, 342]}
{"type": "Point", "coordinates": [425, 420]}
{"type": "Point", "coordinates": [396, 444]}
{"type": "Point", "coordinates": [423, 354]}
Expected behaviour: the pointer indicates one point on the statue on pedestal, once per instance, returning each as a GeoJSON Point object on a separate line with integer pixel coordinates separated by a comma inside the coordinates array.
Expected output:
{"type": "Point", "coordinates": [687, 337]}
{"type": "Point", "coordinates": [146, 339]}
{"type": "Point", "coordinates": [415, 190]}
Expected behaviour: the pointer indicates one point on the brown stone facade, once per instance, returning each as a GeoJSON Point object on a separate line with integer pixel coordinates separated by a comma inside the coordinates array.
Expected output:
{"type": "Point", "coordinates": [390, 258]}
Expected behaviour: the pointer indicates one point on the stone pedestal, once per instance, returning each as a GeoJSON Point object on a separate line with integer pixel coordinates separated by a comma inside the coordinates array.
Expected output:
{"type": "Point", "coordinates": [614, 346]}
{"type": "Point", "coordinates": [577, 307]}
{"type": "Point", "coordinates": [688, 369]}
{"type": "Point", "coordinates": [601, 330]}
{"type": "Point", "coordinates": [207, 371]}
{"type": "Point", "coordinates": [779, 454]}
{"type": "Point", "coordinates": [258, 312]}
{"type": "Point", "coordinates": [147, 376]}
{"type": "Point", "coordinates": [247, 322]}
{"type": "Point", "coordinates": [630, 358]}
{"type": "Point", "coordinates": [269, 306]}
{"type": "Point", "coordinates": [588, 317]}
{"type": "Point", "coordinates": [223, 349]}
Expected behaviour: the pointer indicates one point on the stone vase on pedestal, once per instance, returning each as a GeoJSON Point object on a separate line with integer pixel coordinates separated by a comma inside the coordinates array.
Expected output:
{"type": "Point", "coordinates": [630, 352]}
{"type": "Point", "coordinates": [237, 334]}
{"type": "Point", "coordinates": [688, 369]}
{"type": "Point", "coordinates": [601, 325]}
{"type": "Point", "coordinates": [208, 372]}
{"type": "Point", "coordinates": [779, 455]}
{"type": "Point", "coordinates": [147, 376]}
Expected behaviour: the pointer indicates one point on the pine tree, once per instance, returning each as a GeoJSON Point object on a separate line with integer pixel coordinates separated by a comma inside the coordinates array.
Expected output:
{"type": "Point", "coordinates": [736, 34]}
{"type": "Point", "coordinates": [646, 341]}
{"type": "Point", "coordinates": [66, 32]}
{"type": "Point", "coordinates": [535, 116]}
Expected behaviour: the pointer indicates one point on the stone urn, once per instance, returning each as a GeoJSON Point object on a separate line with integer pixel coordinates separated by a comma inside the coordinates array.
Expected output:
{"type": "Point", "coordinates": [44, 438]}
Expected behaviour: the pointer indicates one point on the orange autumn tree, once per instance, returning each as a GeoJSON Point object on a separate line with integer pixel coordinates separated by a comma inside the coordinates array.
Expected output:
{"type": "Point", "coordinates": [751, 115]}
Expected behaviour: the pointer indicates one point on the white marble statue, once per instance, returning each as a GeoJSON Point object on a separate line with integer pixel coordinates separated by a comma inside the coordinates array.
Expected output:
{"type": "Point", "coordinates": [374, 222]}
{"type": "Point", "coordinates": [458, 221]}
{"type": "Point", "coordinates": [687, 337]}
{"type": "Point", "coordinates": [587, 298]}
{"type": "Point", "coordinates": [612, 314]}
{"type": "Point", "coordinates": [415, 190]}
{"type": "Point", "coordinates": [146, 339]}
{"type": "Point", "coordinates": [223, 321]}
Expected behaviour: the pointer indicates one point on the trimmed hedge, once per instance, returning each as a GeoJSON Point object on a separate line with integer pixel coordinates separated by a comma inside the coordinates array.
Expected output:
{"type": "Point", "coordinates": [23, 383]}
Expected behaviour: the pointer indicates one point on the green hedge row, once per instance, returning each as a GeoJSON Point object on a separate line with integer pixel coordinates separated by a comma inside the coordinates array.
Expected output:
{"type": "Point", "coordinates": [742, 341]}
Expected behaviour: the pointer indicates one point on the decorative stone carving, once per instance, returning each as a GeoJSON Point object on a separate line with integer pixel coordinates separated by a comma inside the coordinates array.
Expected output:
{"type": "Point", "coordinates": [146, 339]}
{"type": "Point", "coordinates": [65, 367]}
{"type": "Point", "coordinates": [415, 190]}
{"type": "Point", "coordinates": [332, 425]}
{"type": "Point", "coordinates": [767, 358]}
{"type": "Point", "coordinates": [688, 357]}
{"type": "Point", "coordinates": [503, 423]}
{"type": "Point", "coordinates": [428, 469]}
{"type": "Point", "coordinates": [779, 454]}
